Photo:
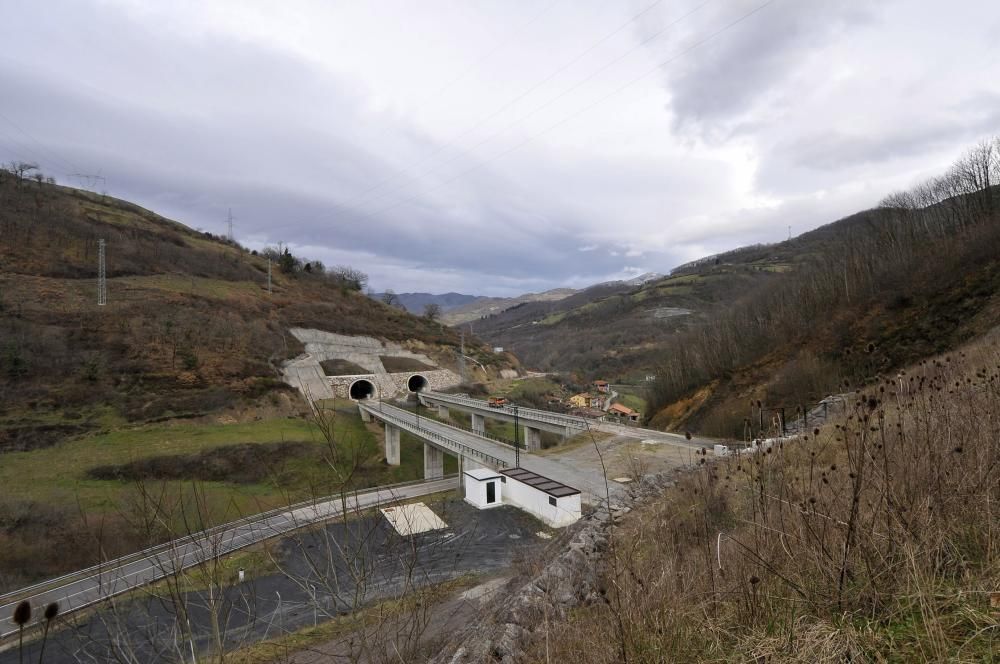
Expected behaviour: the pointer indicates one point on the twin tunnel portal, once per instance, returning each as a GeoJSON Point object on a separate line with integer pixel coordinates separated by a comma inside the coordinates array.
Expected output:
{"type": "Point", "coordinates": [362, 388]}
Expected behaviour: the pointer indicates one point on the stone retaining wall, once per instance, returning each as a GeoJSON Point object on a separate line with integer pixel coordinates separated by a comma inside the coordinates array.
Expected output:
{"type": "Point", "coordinates": [394, 384]}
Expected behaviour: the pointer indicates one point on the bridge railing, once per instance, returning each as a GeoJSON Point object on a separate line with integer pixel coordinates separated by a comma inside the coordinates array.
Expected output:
{"type": "Point", "coordinates": [444, 441]}
{"type": "Point", "coordinates": [526, 413]}
{"type": "Point", "coordinates": [482, 434]}
{"type": "Point", "coordinates": [198, 538]}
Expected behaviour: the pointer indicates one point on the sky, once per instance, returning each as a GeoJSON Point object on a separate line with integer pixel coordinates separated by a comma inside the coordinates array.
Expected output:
{"type": "Point", "coordinates": [496, 147]}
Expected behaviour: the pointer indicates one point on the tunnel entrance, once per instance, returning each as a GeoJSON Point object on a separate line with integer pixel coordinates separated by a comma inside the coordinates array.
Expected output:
{"type": "Point", "coordinates": [417, 383]}
{"type": "Point", "coordinates": [361, 390]}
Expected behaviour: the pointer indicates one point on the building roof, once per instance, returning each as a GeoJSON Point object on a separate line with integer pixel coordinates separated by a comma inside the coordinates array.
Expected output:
{"type": "Point", "coordinates": [534, 480]}
{"type": "Point", "coordinates": [482, 474]}
{"type": "Point", "coordinates": [619, 408]}
{"type": "Point", "coordinates": [600, 382]}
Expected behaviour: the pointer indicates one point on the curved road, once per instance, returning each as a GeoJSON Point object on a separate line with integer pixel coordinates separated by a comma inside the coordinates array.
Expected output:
{"type": "Point", "coordinates": [119, 576]}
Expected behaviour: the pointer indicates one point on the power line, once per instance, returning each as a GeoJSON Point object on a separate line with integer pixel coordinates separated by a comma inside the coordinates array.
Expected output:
{"type": "Point", "coordinates": [14, 151]}
{"type": "Point", "coordinates": [102, 277]}
{"type": "Point", "coordinates": [579, 112]}
{"type": "Point", "coordinates": [42, 148]}
{"type": "Point", "coordinates": [447, 86]}
{"type": "Point", "coordinates": [524, 94]}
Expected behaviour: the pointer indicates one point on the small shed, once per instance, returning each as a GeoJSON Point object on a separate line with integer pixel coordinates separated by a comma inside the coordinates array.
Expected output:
{"type": "Point", "coordinates": [483, 488]}
{"type": "Point", "coordinates": [554, 503]}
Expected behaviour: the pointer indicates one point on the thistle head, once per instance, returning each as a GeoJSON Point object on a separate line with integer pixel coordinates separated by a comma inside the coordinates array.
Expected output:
{"type": "Point", "coordinates": [22, 613]}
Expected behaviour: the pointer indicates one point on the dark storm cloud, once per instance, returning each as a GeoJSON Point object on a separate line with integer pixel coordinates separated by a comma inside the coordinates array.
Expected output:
{"type": "Point", "coordinates": [181, 146]}
{"type": "Point", "coordinates": [723, 80]}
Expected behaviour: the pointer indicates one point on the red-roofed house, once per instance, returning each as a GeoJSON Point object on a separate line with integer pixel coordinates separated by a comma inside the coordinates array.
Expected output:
{"type": "Point", "coordinates": [623, 412]}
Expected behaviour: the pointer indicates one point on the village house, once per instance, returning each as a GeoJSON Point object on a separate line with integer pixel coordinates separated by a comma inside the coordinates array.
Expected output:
{"type": "Point", "coordinates": [624, 412]}
{"type": "Point", "coordinates": [602, 386]}
{"type": "Point", "coordinates": [588, 400]}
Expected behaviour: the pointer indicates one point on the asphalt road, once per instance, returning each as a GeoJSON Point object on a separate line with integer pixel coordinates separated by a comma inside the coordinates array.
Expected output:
{"type": "Point", "coordinates": [116, 579]}
{"type": "Point", "coordinates": [325, 571]}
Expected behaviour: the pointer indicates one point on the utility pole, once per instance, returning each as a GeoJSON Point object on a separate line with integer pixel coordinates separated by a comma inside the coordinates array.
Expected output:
{"type": "Point", "coordinates": [517, 440]}
{"type": "Point", "coordinates": [102, 276]}
{"type": "Point", "coordinates": [461, 358]}
{"type": "Point", "coordinates": [229, 220]}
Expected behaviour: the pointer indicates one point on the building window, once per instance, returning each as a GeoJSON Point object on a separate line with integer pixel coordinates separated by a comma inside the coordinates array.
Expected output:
{"type": "Point", "coordinates": [552, 501]}
{"type": "Point", "coordinates": [503, 479]}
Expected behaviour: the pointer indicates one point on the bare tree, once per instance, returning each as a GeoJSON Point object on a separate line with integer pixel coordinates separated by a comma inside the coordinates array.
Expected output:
{"type": "Point", "coordinates": [432, 311]}
{"type": "Point", "coordinates": [389, 297]}
{"type": "Point", "coordinates": [349, 277]}
{"type": "Point", "coordinates": [21, 168]}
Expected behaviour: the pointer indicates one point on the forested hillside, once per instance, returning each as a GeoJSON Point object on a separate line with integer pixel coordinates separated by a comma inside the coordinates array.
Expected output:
{"type": "Point", "coordinates": [859, 298]}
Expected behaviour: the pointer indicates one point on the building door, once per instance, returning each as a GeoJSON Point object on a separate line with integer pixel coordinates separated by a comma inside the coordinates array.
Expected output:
{"type": "Point", "coordinates": [491, 492]}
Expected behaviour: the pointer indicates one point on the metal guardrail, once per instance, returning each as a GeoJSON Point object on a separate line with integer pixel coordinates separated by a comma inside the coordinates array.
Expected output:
{"type": "Point", "coordinates": [462, 448]}
{"type": "Point", "coordinates": [484, 434]}
{"type": "Point", "coordinates": [525, 413]}
{"type": "Point", "coordinates": [194, 538]}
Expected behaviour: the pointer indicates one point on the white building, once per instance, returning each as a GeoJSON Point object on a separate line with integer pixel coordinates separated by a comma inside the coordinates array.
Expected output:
{"type": "Point", "coordinates": [483, 487]}
{"type": "Point", "coordinates": [552, 502]}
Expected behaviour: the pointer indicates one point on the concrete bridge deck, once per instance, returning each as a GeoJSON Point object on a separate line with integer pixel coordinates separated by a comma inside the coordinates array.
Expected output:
{"type": "Point", "coordinates": [533, 420]}
{"type": "Point", "coordinates": [491, 453]}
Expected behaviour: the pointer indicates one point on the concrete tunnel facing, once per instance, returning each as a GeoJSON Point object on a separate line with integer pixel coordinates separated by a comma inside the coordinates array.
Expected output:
{"type": "Point", "coordinates": [417, 383]}
{"type": "Point", "coordinates": [362, 389]}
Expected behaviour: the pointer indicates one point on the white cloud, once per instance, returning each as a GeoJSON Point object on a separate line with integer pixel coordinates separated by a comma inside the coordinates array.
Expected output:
{"type": "Point", "coordinates": [481, 147]}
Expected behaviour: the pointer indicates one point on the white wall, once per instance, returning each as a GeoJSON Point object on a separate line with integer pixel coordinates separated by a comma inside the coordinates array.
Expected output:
{"type": "Point", "coordinates": [475, 492]}
{"type": "Point", "coordinates": [535, 502]}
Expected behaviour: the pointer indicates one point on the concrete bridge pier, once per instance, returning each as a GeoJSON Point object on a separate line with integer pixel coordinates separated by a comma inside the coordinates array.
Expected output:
{"type": "Point", "coordinates": [391, 444]}
{"type": "Point", "coordinates": [442, 411]}
{"type": "Point", "coordinates": [532, 438]}
{"type": "Point", "coordinates": [365, 415]}
{"type": "Point", "coordinates": [478, 423]}
{"type": "Point", "coordinates": [433, 462]}
{"type": "Point", "coordinates": [466, 463]}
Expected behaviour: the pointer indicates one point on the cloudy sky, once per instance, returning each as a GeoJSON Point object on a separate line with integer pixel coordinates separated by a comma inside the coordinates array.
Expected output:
{"type": "Point", "coordinates": [499, 146]}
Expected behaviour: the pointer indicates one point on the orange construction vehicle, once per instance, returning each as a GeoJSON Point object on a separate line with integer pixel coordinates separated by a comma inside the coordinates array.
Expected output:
{"type": "Point", "coordinates": [497, 402]}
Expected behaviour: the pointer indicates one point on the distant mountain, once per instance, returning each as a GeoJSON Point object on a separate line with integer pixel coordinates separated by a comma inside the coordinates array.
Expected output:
{"type": "Point", "coordinates": [415, 302]}
{"type": "Point", "coordinates": [488, 306]}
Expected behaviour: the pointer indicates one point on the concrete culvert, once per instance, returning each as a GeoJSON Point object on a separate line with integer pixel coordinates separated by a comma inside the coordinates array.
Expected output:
{"type": "Point", "coordinates": [362, 389]}
{"type": "Point", "coordinates": [417, 383]}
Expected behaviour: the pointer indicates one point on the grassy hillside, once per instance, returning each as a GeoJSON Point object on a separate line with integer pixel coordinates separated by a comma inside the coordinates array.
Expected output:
{"type": "Point", "coordinates": [172, 389]}
{"type": "Point", "coordinates": [189, 327]}
{"type": "Point", "coordinates": [870, 540]}
{"type": "Point", "coordinates": [490, 306]}
{"type": "Point", "coordinates": [612, 330]}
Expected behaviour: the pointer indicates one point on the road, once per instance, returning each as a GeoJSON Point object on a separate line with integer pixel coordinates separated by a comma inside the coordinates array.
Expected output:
{"type": "Point", "coordinates": [590, 483]}
{"type": "Point", "coordinates": [316, 579]}
{"type": "Point", "coordinates": [116, 577]}
{"type": "Point", "coordinates": [525, 414]}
